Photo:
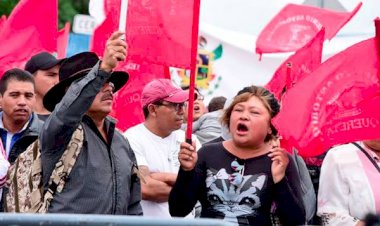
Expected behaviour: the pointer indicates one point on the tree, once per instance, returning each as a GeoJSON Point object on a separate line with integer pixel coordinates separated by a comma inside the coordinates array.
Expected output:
{"type": "Point", "coordinates": [67, 9]}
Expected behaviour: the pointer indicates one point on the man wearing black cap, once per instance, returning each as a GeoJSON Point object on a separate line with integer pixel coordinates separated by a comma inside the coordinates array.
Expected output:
{"type": "Point", "coordinates": [103, 179]}
{"type": "Point", "coordinates": [44, 68]}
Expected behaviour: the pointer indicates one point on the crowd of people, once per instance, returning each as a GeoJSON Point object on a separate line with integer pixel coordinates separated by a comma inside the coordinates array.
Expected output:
{"type": "Point", "coordinates": [235, 169]}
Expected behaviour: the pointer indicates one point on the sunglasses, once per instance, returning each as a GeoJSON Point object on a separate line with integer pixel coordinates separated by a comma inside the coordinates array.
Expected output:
{"type": "Point", "coordinates": [238, 167]}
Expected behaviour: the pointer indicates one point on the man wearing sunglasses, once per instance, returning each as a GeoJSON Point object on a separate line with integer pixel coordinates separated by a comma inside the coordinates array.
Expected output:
{"type": "Point", "coordinates": [156, 143]}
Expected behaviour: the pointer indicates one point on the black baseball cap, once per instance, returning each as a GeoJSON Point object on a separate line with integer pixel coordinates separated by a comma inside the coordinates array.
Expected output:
{"type": "Point", "coordinates": [42, 61]}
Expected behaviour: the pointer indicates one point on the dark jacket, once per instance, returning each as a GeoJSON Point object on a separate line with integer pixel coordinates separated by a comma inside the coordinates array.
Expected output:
{"type": "Point", "coordinates": [101, 181]}
{"type": "Point", "coordinates": [27, 137]}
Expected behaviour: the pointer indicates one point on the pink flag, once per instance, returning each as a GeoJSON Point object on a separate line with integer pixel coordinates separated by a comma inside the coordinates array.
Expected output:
{"type": "Point", "coordinates": [298, 65]}
{"type": "Point", "coordinates": [295, 25]}
{"type": "Point", "coordinates": [160, 32]}
{"type": "Point", "coordinates": [103, 32]}
{"type": "Point", "coordinates": [159, 35]}
{"type": "Point", "coordinates": [63, 40]}
{"type": "Point", "coordinates": [31, 28]}
{"type": "Point", "coordinates": [3, 18]}
{"type": "Point", "coordinates": [157, 32]}
{"type": "Point", "coordinates": [337, 103]}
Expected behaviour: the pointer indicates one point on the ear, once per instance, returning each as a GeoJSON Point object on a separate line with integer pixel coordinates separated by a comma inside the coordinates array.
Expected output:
{"type": "Point", "coordinates": [152, 110]}
{"type": "Point", "coordinates": [270, 130]}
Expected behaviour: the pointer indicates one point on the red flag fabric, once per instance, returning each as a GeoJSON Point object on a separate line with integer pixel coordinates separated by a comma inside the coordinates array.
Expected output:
{"type": "Point", "coordinates": [3, 18]}
{"type": "Point", "coordinates": [298, 65]}
{"type": "Point", "coordinates": [62, 41]}
{"type": "Point", "coordinates": [127, 101]}
{"type": "Point", "coordinates": [337, 103]}
{"type": "Point", "coordinates": [160, 32]}
{"type": "Point", "coordinates": [30, 29]}
{"type": "Point", "coordinates": [159, 35]}
{"type": "Point", "coordinates": [157, 32]}
{"type": "Point", "coordinates": [127, 107]}
{"type": "Point", "coordinates": [295, 25]}
{"type": "Point", "coordinates": [103, 32]}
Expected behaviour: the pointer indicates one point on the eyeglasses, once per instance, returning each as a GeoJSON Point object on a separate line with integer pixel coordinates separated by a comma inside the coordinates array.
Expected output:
{"type": "Point", "coordinates": [177, 106]}
{"type": "Point", "coordinates": [238, 167]}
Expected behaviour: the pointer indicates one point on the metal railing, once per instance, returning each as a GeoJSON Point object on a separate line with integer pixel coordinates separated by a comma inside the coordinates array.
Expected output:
{"type": "Point", "coordinates": [11, 219]}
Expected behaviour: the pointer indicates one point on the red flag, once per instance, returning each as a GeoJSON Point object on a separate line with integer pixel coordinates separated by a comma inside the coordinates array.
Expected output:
{"type": "Point", "coordinates": [295, 25]}
{"type": "Point", "coordinates": [3, 19]}
{"type": "Point", "coordinates": [127, 107]}
{"type": "Point", "coordinates": [159, 35]}
{"type": "Point", "coordinates": [30, 29]}
{"type": "Point", "coordinates": [298, 65]}
{"type": "Point", "coordinates": [62, 41]}
{"type": "Point", "coordinates": [103, 32]}
{"type": "Point", "coordinates": [157, 32]}
{"type": "Point", "coordinates": [160, 31]}
{"type": "Point", "coordinates": [337, 103]}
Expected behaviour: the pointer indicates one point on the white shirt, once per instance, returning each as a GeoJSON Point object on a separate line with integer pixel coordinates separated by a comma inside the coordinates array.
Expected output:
{"type": "Point", "coordinates": [346, 190]}
{"type": "Point", "coordinates": [159, 155]}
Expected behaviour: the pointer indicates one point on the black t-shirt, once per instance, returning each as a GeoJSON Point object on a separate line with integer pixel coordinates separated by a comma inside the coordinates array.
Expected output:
{"type": "Point", "coordinates": [243, 194]}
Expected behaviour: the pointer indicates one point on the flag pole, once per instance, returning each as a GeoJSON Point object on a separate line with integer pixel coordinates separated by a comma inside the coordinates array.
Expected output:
{"type": "Point", "coordinates": [123, 17]}
{"type": "Point", "coordinates": [193, 67]}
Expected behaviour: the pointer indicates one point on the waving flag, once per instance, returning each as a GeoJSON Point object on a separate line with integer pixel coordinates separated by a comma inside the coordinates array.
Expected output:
{"type": "Point", "coordinates": [63, 40]}
{"type": "Point", "coordinates": [295, 25]}
{"type": "Point", "coordinates": [337, 103]}
{"type": "Point", "coordinates": [159, 35]}
{"type": "Point", "coordinates": [31, 28]}
{"type": "Point", "coordinates": [157, 32]}
{"type": "Point", "coordinates": [377, 29]}
{"type": "Point", "coordinates": [298, 65]}
{"type": "Point", "coordinates": [3, 18]}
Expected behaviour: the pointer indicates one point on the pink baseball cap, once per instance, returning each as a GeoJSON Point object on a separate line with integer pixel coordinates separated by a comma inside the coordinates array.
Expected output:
{"type": "Point", "coordinates": [163, 89]}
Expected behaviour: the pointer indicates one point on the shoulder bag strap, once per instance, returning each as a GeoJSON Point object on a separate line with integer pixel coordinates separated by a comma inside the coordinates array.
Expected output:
{"type": "Point", "coordinates": [368, 156]}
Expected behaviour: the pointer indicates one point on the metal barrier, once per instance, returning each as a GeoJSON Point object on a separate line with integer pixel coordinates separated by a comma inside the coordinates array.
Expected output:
{"type": "Point", "coordinates": [12, 219]}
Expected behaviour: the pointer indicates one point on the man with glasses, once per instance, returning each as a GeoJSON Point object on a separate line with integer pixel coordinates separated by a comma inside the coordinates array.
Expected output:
{"type": "Point", "coordinates": [156, 143]}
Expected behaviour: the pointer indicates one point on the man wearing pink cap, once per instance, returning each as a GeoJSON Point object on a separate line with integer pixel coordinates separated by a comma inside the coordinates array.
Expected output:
{"type": "Point", "coordinates": [156, 143]}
